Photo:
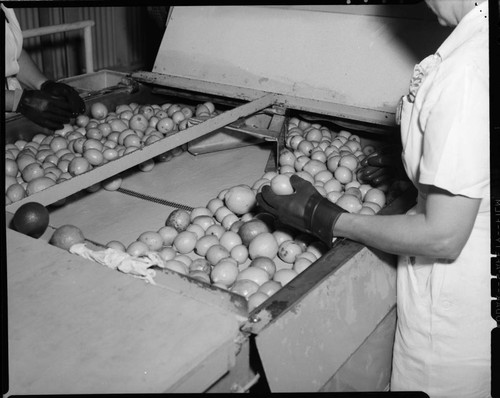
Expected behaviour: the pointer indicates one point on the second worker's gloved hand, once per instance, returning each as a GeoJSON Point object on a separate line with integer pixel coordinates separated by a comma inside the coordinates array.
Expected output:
{"type": "Point", "coordinates": [381, 166]}
{"type": "Point", "coordinates": [305, 209]}
{"type": "Point", "coordinates": [44, 110]}
{"type": "Point", "coordinates": [68, 93]}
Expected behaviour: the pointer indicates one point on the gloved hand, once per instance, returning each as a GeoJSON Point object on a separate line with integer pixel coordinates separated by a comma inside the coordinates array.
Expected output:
{"type": "Point", "coordinates": [44, 109]}
{"type": "Point", "coordinates": [305, 209]}
{"type": "Point", "coordinates": [68, 93]}
{"type": "Point", "coordinates": [381, 167]}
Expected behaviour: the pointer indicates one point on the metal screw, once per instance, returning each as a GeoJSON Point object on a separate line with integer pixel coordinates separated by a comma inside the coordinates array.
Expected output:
{"type": "Point", "coordinates": [254, 319]}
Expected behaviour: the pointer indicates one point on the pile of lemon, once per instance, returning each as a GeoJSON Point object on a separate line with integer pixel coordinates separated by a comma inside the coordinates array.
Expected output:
{"type": "Point", "coordinates": [229, 244]}
{"type": "Point", "coordinates": [330, 161]}
{"type": "Point", "coordinates": [93, 140]}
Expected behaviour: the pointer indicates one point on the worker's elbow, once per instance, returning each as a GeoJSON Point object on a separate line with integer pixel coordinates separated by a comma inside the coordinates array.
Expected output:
{"type": "Point", "coordinates": [448, 248]}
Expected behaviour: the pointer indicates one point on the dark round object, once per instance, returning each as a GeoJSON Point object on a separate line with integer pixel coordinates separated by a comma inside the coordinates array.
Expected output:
{"type": "Point", "coordinates": [31, 219]}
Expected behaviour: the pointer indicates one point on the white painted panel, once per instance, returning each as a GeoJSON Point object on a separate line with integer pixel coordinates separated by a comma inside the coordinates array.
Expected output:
{"type": "Point", "coordinates": [358, 60]}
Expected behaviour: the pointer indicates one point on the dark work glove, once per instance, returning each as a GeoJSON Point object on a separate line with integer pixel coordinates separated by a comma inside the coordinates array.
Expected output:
{"type": "Point", "coordinates": [44, 110]}
{"type": "Point", "coordinates": [382, 166]}
{"type": "Point", "coordinates": [305, 209]}
{"type": "Point", "coordinates": [68, 93]}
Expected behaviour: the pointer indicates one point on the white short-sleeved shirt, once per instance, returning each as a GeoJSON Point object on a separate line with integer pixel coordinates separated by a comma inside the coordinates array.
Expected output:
{"type": "Point", "coordinates": [13, 47]}
{"type": "Point", "coordinates": [442, 341]}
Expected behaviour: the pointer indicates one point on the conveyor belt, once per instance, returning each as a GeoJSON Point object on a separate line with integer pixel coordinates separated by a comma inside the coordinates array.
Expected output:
{"type": "Point", "coordinates": [143, 197]}
{"type": "Point", "coordinates": [153, 199]}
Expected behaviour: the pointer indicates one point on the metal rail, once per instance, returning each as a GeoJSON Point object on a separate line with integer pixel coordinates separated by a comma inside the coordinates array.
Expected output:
{"type": "Point", "coordinates": [87, 37]}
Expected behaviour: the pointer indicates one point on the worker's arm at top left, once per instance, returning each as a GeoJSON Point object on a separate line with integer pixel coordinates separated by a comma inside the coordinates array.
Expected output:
{"type": "Point", "coordinates": [29, 74]}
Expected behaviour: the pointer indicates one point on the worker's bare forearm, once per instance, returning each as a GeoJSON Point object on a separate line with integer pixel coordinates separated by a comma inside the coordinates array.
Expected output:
{"type": "Point", "coordinates": [440, 231]}
{"type": "Point", "coordinates": [29, 73]}
{"type": "Point", "coordinates": [396, 234]}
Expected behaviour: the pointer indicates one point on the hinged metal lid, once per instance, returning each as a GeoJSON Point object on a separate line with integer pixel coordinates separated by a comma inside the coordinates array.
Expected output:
{"type": "Point", "coordinates": [332, 59]}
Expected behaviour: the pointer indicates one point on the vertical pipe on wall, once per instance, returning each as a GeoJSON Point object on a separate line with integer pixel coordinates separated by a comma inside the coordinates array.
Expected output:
{"type": "Point", "coordinates": [89, 56]}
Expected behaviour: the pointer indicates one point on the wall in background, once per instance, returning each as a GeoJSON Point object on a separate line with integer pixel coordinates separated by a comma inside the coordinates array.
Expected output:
{"type": "Point", "coordinates": [124, 38]}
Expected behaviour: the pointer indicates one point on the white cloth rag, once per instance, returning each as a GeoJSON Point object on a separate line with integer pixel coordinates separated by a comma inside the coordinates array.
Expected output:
{"type": "Point", "coordinates": [138, 267]}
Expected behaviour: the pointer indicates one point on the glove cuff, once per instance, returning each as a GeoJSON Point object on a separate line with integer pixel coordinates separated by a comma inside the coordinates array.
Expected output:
{"type": "Point", "coordinates": [45, 83]}
{"type": "Point", "coordinates": [323, 220]}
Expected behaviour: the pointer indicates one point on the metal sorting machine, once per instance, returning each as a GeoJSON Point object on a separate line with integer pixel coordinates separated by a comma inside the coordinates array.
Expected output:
{"type": "Point", "coordinates": [77, 327]}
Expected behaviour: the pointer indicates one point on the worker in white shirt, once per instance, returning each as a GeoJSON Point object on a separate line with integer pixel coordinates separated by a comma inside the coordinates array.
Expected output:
{"type": "Point", "coordinates": [442, 343]}
{"type": "Point", "coordinates": [28, 91]}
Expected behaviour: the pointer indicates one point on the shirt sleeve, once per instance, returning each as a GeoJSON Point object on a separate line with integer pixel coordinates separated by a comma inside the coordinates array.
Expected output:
{"type": "Point", "coordinates": [455, 154]}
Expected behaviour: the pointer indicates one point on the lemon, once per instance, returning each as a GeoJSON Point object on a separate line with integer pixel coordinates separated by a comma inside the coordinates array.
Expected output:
{"type": "Point", "coordinates": [168, 234]}
{"type": "Point", "coordinates": [216, 230]}
{"type": "Point", "coordinates": [167, 253]}
{"type": "Point", "coordinates": [264, 263]}
{"type": "Point", "coordinates": [240, 199]}
{"type": "Point", "coordinates": [152, 239]}
{"type": "Point", "coordinates": [284, 275]}
{"type": "Point", "coordinates": [185, 242]}
{"type": "Point", "coordinates": [179, 219]}
{"type": "Point", "coordinates": [39, 184]}
{"type": "Point", "coordinates": [15, 192]}
{"type": "Point", "coordinates": [308, 255]}
{"type": "Point", "coordinates": [186, 260]}
{"type": "Point", "coordinates": [204, 221]}
{"type": "Point", "coordinates": [280, 185]}
{"type": "Point", "coordinates": [32, 171]}
{"type": "Point", "coordinates": [116, 245]}
{"type": "Point", "coordinates": [137, 249]}
{"type": "Point", "coordinates": [11, 167]}
{"type": "Point", "coordinates": [200, 211]}
{"type": "Point", "coordinates": [197, 230]}
{"type": "Point", "coordinates": [230, 239]}
{"type": "Point", "coordinates": [301, 264]}
{"type": "Point", "coordinates": [98, 110]}
{"type": "Point", "coordinates": [250, 229]}
{"type": "Point", "coordinates": [205, 243]}
{"type": "Point", "coordinates": [255, 274]}
{"type": "Point", "coordinates": [66, 236]}
{"type": "Point", "coordinates": [177, 266]}
{"type": "Point", "coordinates": [200, 275]}
{"type": "Point", "coordinates": [217, 252]}
{"type": "Point", "coordinates": [225, 272]}
{"type": "Point", "coordinates": [375, 195]}
{"type": "Point", "coordinates": [239, 253]}
{"type": "Point", "coordinates": [270, 287]}
{"type": "Point", "coordinates": [263, 245]}
{"type": "Point", "coordinates": [245, 287]}
{"type": "Point", "coordinates": [113, 183]}
{"type": "Point", "coordinates": [288, 251]}
{"type": "Point", "coordinates": [200, 264]}
{"type": "Point", "coordinates": [367, 211]}
{"type": "Point", "coordinates": [256, 299]}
